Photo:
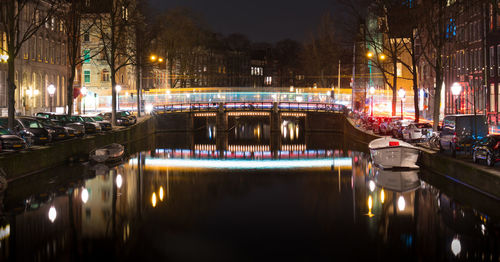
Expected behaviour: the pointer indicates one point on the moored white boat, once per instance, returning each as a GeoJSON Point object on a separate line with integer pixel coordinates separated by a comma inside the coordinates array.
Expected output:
{"type": "Point", "coordinates": [109, 153]}
{"type": "Point", "coordinates": [388, 153]}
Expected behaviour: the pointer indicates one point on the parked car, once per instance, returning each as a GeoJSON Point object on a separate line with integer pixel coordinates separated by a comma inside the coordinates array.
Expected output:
{"type": "Point", "coordinates": [398, 127]}
{"type": "Point", "coordinates": [121, 119]}
{"type": "Point", "coordinates": [132, 117]}
{"type": "Point", "coordinates": [9, 141]}
{"type": "Point", "coordinates": [56, 132]}
{"type": "Point", "coordinates": [90, 127]}
{"type": "Point", "coordinates": [30, 129]}
{"type": "Point", "coordinates": [417, 131]}
{"type": "Point", "coordinates": [461, 131]}
{"type": "Point", "coordinates": [487, 149]}
{"type": "Point", "coordinates": [105, 125]}
{"type": "Point", "coordinates": [101, 125]}
{"type": "Point", "coordinates": [63, 120]}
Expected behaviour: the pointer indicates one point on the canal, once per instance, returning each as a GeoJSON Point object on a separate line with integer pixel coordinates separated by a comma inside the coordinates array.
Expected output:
{"type": "Point", "coordinates": [253, 196]}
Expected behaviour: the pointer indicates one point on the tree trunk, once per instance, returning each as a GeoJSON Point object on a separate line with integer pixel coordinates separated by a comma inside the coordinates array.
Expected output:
{"type": "Point", "coordinates": [138, 83]}
{"type": "Point", "coordinates": [437, 92]}
{"type": "Point", "coordinates": [113, 96]}
{"type": "Point", "coordinates": [69, 87]}
{"type": "Point", "coordinates": [394, 87]}
{"type": "Point", "coordinates": [11, 90]}
{"type": "Point", "coordinates": [415, 80]}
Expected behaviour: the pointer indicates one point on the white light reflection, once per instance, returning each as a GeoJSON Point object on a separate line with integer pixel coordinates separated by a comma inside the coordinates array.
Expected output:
{"type": "Point", "coordinates": [456, 247]}
{"type": "Point", "coordinates": [401, 203]}
{"type": "Point", "coordinates": [371, 185]}
{"type": "Point", "coordinates": [245, 164]}
{"type": "Point", "coordinates": [85, 195]}
{"type": "Point", "coordinates": [52, 214]}
{"type": "Point", "coordinates": [119, 181]}
{"type": "Point", "coordinates": [160, 193]}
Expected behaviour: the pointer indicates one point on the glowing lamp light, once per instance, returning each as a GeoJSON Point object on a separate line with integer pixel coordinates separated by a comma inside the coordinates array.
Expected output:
{"type": "Point", "coordinates": [51, 89]}
{"type": "Point", "coordinates": [149, 108]}
{"type": "Point", "coordinates": [152, 57]}
{"type": "Point", "coordinates": [84, 91]}
{"type": "Point", "coordinates": [52, 214]}
{"type": "Point", "coordinates": [401, 93]}
{"type": "Point", "coordinates": [382, 57]}
{"type": "Point", "coordinates": [119, 181]}
{"type": "Point", "coordinates": [153, 200]}
{"type": "Point", "coordinates": [372, 90]}
{"type": "Point", "coordinates": [36, 92]}
{"type": "Point", "coordinates": [401, 203]}
{"type": "Point", "coordinates": [161, 193]}
{"type": "Point", "coordinates": [369, 54]}
{"type": "Point", "coordinates": [291, 88]}
{"type": "Point", "coordinates": [160, 60]}
{"type": "Point", "coordinates": [85, 195]}
{"type": "Point", "coordinates": [456, 89]}
{"type": "Point", "coordinates": [118, 88]}
{"type": "Point", "coordinates": [456, 247]}
{"type": "Point", "coordinates": [371, 185]}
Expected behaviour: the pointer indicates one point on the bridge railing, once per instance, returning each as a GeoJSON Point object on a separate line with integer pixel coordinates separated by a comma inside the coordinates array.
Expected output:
{"type": "Point", "coordinates": [250, 106]}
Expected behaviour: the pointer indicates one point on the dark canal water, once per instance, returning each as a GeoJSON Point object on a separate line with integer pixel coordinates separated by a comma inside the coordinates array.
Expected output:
{"type": "Point", "coordinates": [245, 196]}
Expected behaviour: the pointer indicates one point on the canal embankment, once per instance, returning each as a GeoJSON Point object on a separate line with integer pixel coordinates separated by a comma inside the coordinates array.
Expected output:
{"type": "Point", "coordinates": [26, 162]}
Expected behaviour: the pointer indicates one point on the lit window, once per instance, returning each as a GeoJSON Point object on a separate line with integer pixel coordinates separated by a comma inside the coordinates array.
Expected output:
{"type": "Point", "coordinates": [399, 69]}
{"type": "Point", "coordinates": [86, 56]}
{"type": "Point", "coordinates": [86, 76]}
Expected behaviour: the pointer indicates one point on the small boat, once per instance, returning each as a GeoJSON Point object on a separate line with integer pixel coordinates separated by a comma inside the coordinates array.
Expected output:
{"type": "Point", "coordinates": [109, 153]}
{"type": "Point", "coordinates": [389, 153]}
{"type": "Point", "coordinates": [397, 180]}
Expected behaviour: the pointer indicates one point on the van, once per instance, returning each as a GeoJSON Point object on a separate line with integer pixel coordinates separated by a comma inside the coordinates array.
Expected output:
{"type": "Point", "coordinates": [460, 131]}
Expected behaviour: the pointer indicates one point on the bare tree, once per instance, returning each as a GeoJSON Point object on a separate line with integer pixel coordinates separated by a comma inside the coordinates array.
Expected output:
{"type": "Point", "coordinates": [20, 20]}
{"type": "Point", "coordinates": [114, 26]}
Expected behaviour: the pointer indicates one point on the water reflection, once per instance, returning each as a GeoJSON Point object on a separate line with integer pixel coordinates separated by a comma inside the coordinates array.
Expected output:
{"type": "Point", "coordinates": [175, 203]}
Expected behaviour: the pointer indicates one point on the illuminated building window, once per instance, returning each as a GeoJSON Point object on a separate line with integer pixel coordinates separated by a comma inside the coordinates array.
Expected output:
{"type": "Point", "coordinates": [105, 75]}
{"type": "Point", "coordinates": [86, 76]}
{"type": "Point", "coordinates": [86, 56]}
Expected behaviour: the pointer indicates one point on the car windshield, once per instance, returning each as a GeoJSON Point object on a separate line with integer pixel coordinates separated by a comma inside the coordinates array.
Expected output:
{"type": "Point", "coordinates": [62, 118]}
{"type": "Point", "coordinates": [423, 125]}
{"type": "Point", "coordinates": [125, 113]}
{"type": "Point", "coordinates": [46, 122]}
{"type": "Point", "coordinates": [98, 118]}
{"type": "Point", "coordinates": [87, 119]}
{"type": "Point", "coordinates": [76, 119]}
{"type": "Point", "coordinates": [30, 123]}
{"type": "Point", "coordinates": [4, 131]}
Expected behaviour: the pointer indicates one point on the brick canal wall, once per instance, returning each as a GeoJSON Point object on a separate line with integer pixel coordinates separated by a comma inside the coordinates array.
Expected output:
{"type": "Point", "coordinates": [479, 177]}
{"type": "Point", "coordinates": [31, 161]}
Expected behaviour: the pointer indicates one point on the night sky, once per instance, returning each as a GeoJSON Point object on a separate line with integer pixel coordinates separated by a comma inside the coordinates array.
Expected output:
{"type": "Point", "coordinates": [260, 20]}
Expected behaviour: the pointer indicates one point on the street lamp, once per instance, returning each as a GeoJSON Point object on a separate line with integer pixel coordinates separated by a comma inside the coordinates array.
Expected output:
{"type": "Point", "coordinates": [456, 89]}
{"type": "Point", "coordinates": [372, 91]}
{"type": "Point", "coordinates": [51, 89]}
{"type": "Point", "coordinates": [118, 88]}
{"type": "Point", "coordinates": [402, 94]}
{"type": "Point", "coordinates": [84, 94]}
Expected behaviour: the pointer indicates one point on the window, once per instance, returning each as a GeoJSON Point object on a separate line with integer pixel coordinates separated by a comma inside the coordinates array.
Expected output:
{"type": "Point", "coordinates": [86, 76]}
{"type": "Point", "coordinates": [86, 37]}
{"type": "Point", "coordinates": [86, 56]}
{"type": "Point", "coordinates": [105, 75]}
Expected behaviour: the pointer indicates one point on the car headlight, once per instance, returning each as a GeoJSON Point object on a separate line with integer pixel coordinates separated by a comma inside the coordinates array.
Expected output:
{"type": "Point", "coordinates": [51, 131]}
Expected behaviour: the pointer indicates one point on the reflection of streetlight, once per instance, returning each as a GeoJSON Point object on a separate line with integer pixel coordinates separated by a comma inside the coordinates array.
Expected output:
{"type": "Point", "coordinates": [118, 88]}
{"type": "Point", "coordinates": [456, 89]}
{"type": "Point", "coordinates": [371, 185]}
{"type": "Point", "coordinates": [370, 205]}
{"type": "Point", "coordinates": [84, 94]}
{"type": "Point", "coordinates": [153, 199]}
{"type": "Point", "coordinates": [382, 196]}
{"type": "Point", "coordinates": [85, 195]}
{"type": "Point", "coordinates": [51, 89]}
{"type": "Point", "coordinates": [52, 214]}
{"type": "Point", "coordinates": [456, 247]}
{"type": "Point", "coordinates": [401, 94]}
{"type": "Point", "coordinates": [401, 203]}
{"type": "Point", "coordinates": [161, 193]}
{"type": "Point", "coordinates": [119, 181]}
